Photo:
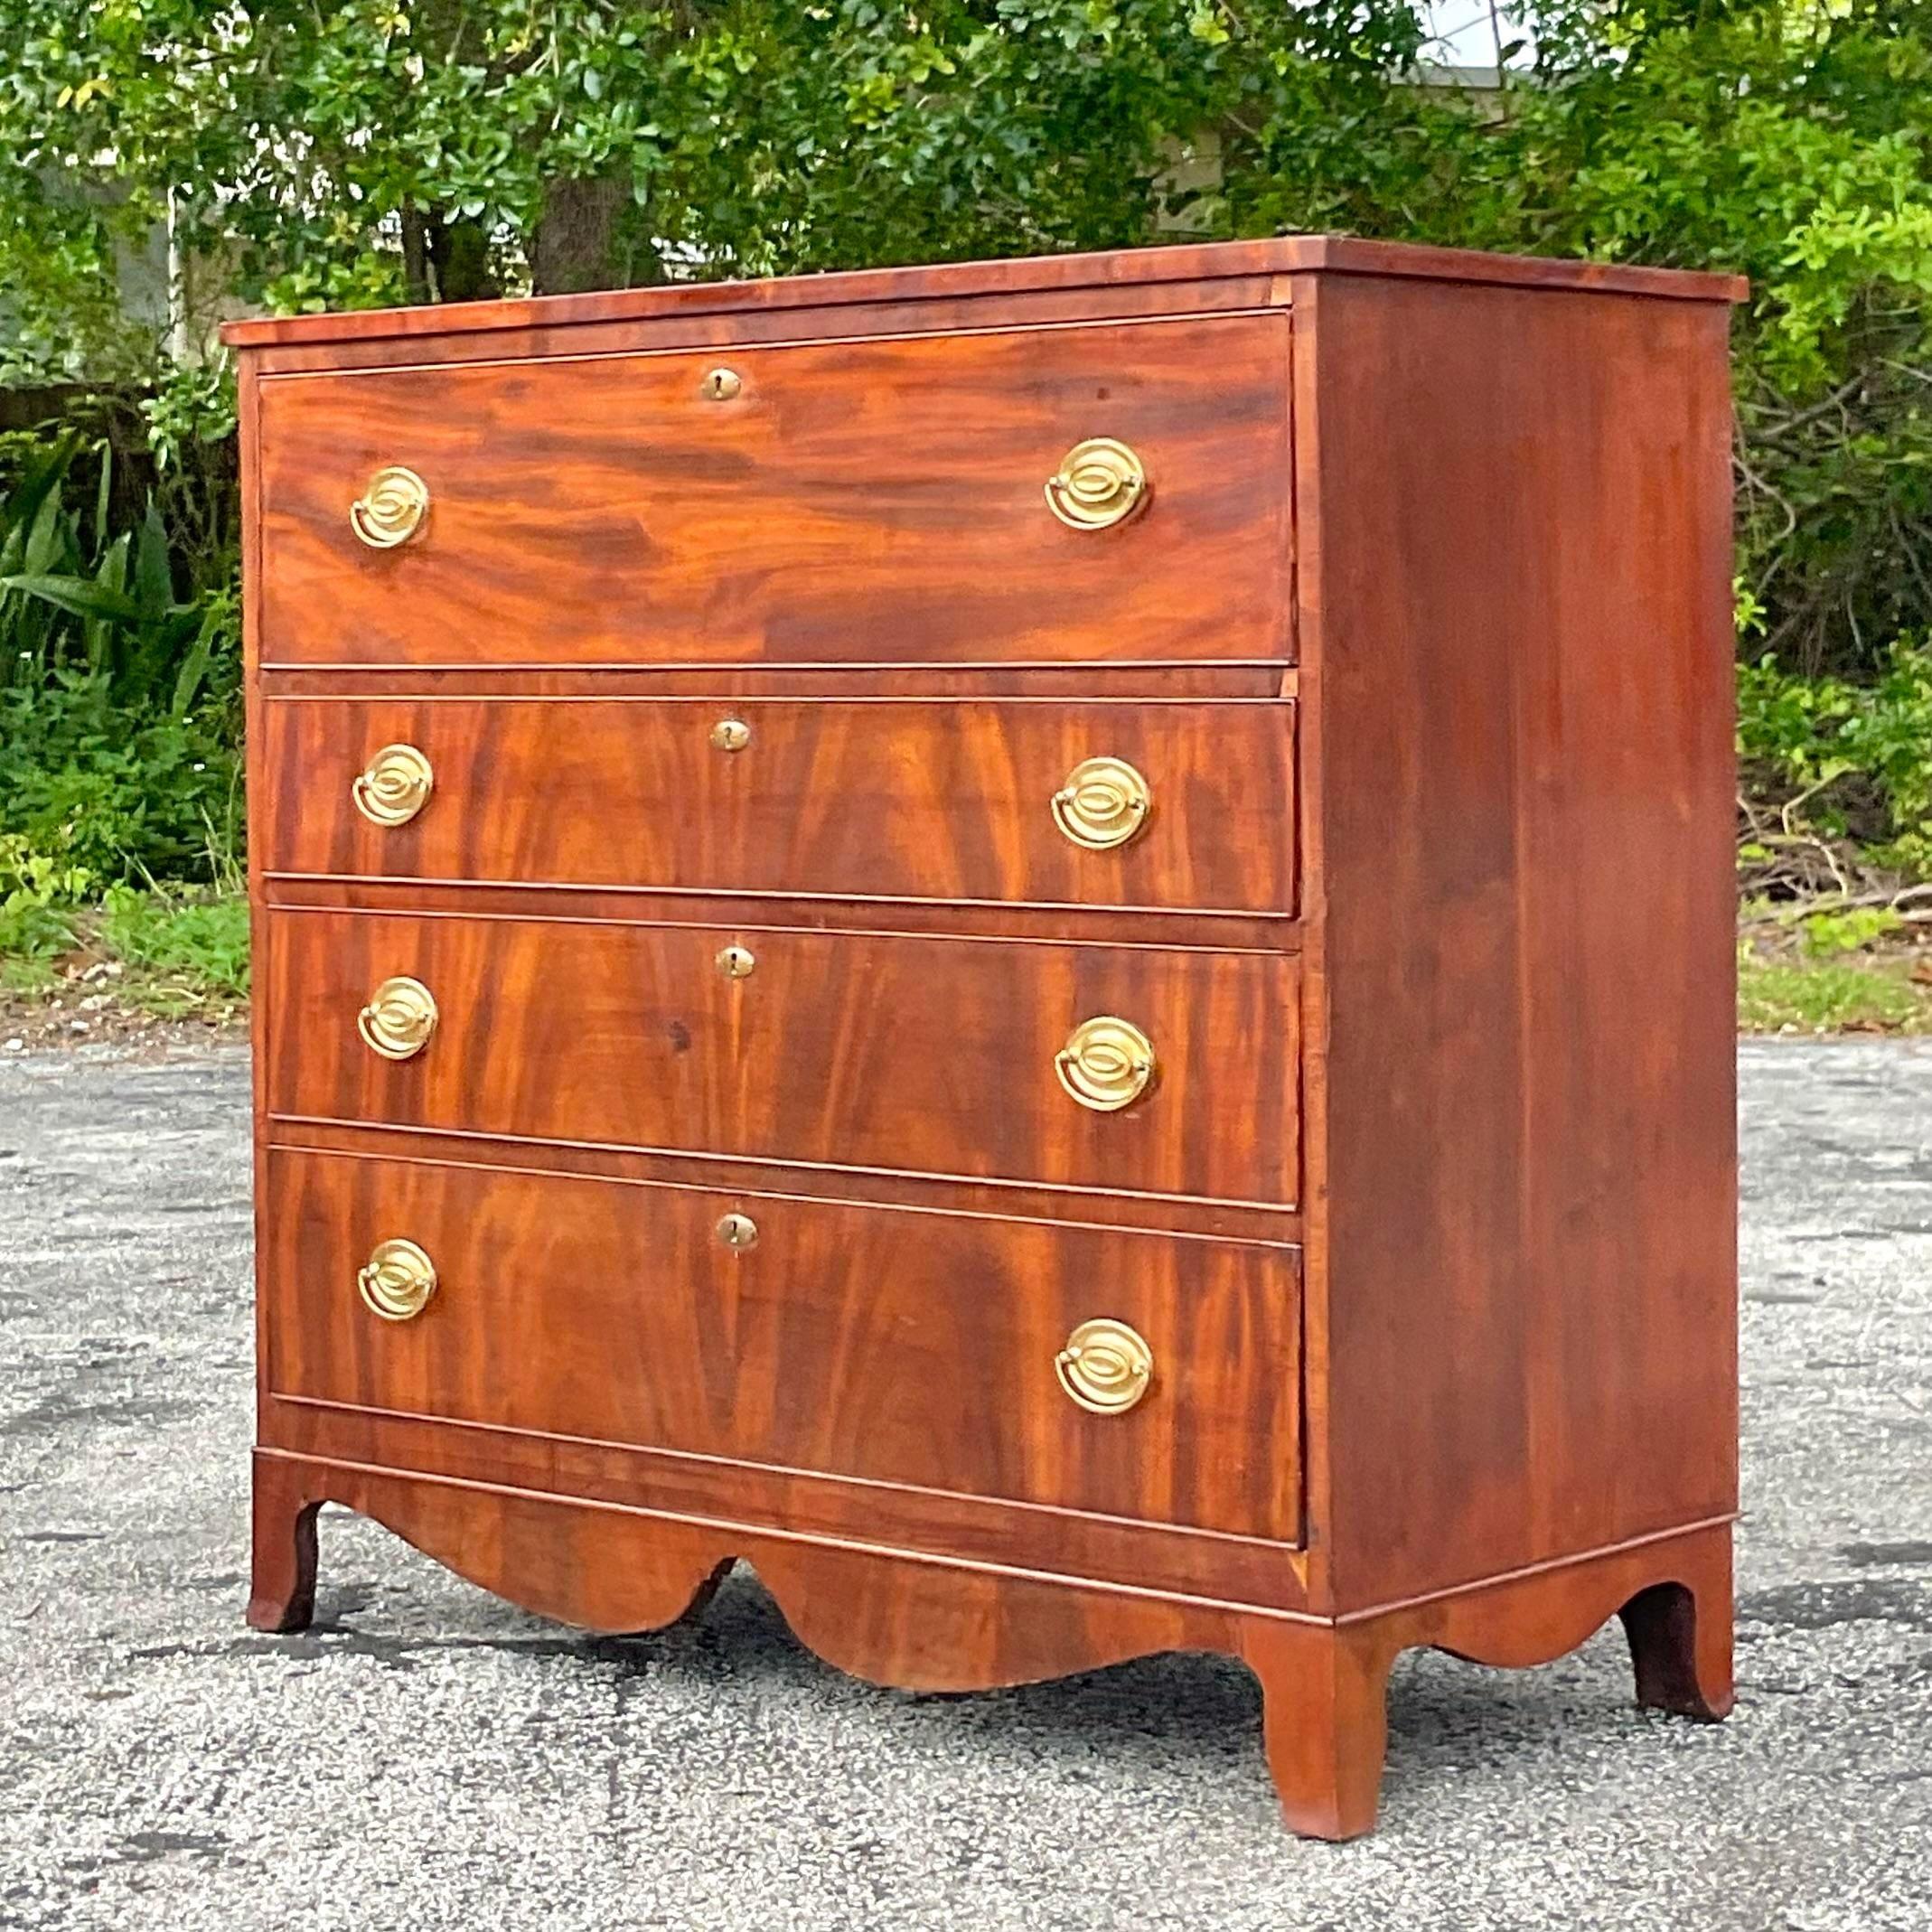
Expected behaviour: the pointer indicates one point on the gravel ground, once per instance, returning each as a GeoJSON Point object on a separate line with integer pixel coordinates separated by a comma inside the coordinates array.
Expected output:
{"type": "Point", "coordinates": [427, 1757]}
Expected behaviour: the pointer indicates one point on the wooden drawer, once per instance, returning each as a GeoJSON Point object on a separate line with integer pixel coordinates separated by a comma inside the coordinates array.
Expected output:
{"type": "Point", "coordinates": [881, 1051]}
{"type": "Point", "coordinates": [897, 1347]}
{"type": "Point", "coordinates": [885, 799]}
{"type": "Point", "coordinates": [855, 502]}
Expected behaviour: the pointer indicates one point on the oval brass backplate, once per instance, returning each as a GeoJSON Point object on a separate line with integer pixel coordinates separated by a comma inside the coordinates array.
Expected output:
{"type": "Point", "coordinates": [736, 962]}
{"type": "Point", "coordinates": [1106, 1366]}
{"type": "Point", "coordinates": [396, 1281]}
{"type": "Point", "coordinates": [390, 511]}
{"type": "Point", "coordinates": [1107, 1063]}
{"type": "Point", "coordinates": [1100, 483]}
{"type": "Point", "coordinates": [720, 385]}
{"type": "Point", "coordinates": [1104, 804]}
{"type": "Point", "coordinates": [730, 734]}
{"type": "Point", "coordinates": [399, 1019]}
{"type": "Point", "coordinates": [737, 1232]}
{"type": "Point", "coordinates": [393, 786]}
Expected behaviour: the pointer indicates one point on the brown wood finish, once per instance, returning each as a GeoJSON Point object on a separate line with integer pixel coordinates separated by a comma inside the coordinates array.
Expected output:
{"type": "Point", "coordinates": [1091, 279]}
{"type": "Point", "coordinates": [934, 1055]}
{"type": "Point", "coordinates": [852, 503]}
{"type": "Point", "coordinates": [1523, 1264]}
{"type": "Point", "coordinates": [797, 1180]}
{"type": "Point", "coordinates": [1430, 1215]}
{"type": "Point", "coordinates": [902, 799]}
{"type": "Point", "coordinates": [875, 1343]}
{"type": "Point", "coordinates": [1001, 1532]}
{"type": "Point", "coordinates": [751, 913]}
{"type": "Point", "coordinates": [946, 1625]}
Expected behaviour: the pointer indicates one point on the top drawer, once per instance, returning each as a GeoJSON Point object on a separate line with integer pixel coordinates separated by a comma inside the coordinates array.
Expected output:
{"type": "Point", "coordinates": [862, 503]}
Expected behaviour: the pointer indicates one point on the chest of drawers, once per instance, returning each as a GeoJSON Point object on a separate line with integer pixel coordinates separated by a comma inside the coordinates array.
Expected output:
{"type": "Point", "coordinates": [1044, 946]}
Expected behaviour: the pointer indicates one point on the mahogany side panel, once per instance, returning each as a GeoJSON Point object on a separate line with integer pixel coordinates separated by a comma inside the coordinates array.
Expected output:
{"type": "Point", "coordinates": [874, 1343]}
{"type": "Point", "coordinates": [1515, 571]}
{"type": "Point", "coordinates": [850, 503]}
{"type": "Point", "coordinates": [907, 800]}
{"type": "Point", "coordinates": [934, 1055]}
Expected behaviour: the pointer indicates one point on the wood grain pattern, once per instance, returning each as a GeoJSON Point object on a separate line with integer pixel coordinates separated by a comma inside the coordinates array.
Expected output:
{"type": "Point", "coordinates": [934, 1625]}
{"type": "Point", "coordinates": [1160, 679]}
{"type": "Point", "coordinates": [932, 1055]}
{"type": "Point", "coordinates": [840, 509]}
{"type": "Point", "coordinates": [1002, 1531]}
{"type": "Point", "coordinates": [1089, 274]}
{"type": "Point", "coordinates": [756, 912]}
{"type": "Point", "coordinates": [726, 1173]}
{"type": "Point", "coordinates": [894, 800]}
{"type": "Point", "coordinates": [913, 1348]}
{"type": "Point", "coordinates": [1522, 1249]}
{"type": "Point", "coordinates": [1468, 1382]}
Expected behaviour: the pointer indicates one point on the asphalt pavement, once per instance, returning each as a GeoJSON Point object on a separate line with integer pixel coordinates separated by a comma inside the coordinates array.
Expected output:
{"type": "Point", "coordinates": [427, 1757]}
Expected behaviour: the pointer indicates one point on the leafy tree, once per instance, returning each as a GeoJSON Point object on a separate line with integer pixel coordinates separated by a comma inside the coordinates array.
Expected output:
{"type": "Point", "coordinates": [352, 152]}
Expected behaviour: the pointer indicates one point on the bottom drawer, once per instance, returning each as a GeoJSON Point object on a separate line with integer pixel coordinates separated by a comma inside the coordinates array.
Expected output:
{"type": "Point", "coordinates": [891, 1345]}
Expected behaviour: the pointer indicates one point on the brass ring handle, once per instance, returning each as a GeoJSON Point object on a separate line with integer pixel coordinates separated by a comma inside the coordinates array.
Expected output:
{"type": "Point", "coordinates": [396, 1281]}
{"type": "Point", "coordinates": [1107, 1064]}
{"type": "Point", "coordinates": [399, 1019]}
{"type": "Point", "coordinates": [1105, 1367]}
{"type": "Point", "coordinates": [1100, 483]}
{"type": "Point", "coordinates": [1104, 804]}
{"type": "Point", "coordinates": [391, 510]}
{"type": "Point", "coordinates": [393, 786]}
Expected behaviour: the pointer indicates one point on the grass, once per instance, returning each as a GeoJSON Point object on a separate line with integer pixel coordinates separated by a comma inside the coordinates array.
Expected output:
{"type": "Point", "coordinates": [172, 952]}
{"type": "Point", "coordinates": [1852, 994]}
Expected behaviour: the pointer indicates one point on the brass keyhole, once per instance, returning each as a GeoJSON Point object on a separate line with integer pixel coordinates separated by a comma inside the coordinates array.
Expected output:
{"type": "Point", "coordinates": [737, 1232]}
{"type": "Point", "coordinates": [730, 734]}
{"type": "Point", "coordinates": [721, 385]}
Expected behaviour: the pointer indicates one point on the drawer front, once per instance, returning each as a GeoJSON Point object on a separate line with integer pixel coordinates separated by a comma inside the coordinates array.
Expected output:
{"type": "Point", "coordinates": [908, 1054]}
{"type": "Point", "coordinates": [980, 802]}
{"type": "Point", "coordinates": [900, 1346]}
{"type": "Point", "coordinates": [856, 503]}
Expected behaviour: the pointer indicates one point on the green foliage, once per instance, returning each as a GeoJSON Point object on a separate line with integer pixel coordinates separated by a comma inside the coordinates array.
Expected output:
{"type": "Point", "coordinates": [342, 152]}
{"type": "Point", "coordinates": [1828, 935]}
{"type": "Point", "coordinates": [1853, 759]}
{"type": "Point", "coordinates": [1834, 995]}
{"type": "Point", "coordinates": [201, 937]}
{"type": "Point", "coordinates": [34, 888]}
{"type": "Point", "coordinates": [103, 788]}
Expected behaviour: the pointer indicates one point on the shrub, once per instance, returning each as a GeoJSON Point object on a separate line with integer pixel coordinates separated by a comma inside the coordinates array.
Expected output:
{"type": "Point", "coordinates": [1852, 760]}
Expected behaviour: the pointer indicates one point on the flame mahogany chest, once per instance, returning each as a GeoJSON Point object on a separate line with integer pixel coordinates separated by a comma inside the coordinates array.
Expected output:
{"type": "Point", "coordinates": [1044, 946]}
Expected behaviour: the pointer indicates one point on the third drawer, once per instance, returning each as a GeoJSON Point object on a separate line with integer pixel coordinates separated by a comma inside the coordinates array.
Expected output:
{"type": "Point", "coordinates": [983, 1059]}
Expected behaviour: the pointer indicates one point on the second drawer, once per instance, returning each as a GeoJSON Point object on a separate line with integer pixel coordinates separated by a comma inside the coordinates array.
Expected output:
{"type": "Point", "coordinates": [948, 1056]}
{"type": "Point", "coordinates": [1178, 805]}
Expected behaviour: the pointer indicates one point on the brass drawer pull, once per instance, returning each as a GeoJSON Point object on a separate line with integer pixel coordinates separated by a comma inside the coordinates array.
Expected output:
{"type": "Point", "coordinates": [399, 1019]}
{"type": "Point", "coordinates": [1105, 1367]}
{"type": "Point", "coordinates": [396, 1281]}
{"type": "Point", "coordinates": [1104, 804]}
{"type": "Point", "coordinates": [1100, 483]}
{"type": "Point", "coordinates": [391, 510]}
{"type": "Point", "coordinates": [393, 786]}
{"type": "Point", "coordinates": [1107, 1064]}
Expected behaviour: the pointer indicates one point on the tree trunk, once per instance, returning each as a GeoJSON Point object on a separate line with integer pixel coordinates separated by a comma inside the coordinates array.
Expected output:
{"type": "Point", "coordinates": [581, 241]}
{"type": "Point", "coordinates": [460, 253]}
{"type": "Point", "coordinates": [415, 256]}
